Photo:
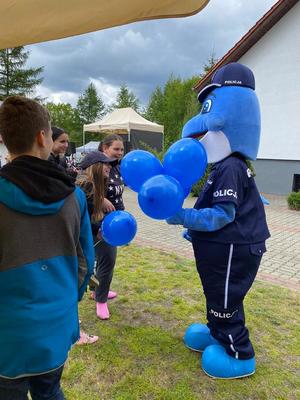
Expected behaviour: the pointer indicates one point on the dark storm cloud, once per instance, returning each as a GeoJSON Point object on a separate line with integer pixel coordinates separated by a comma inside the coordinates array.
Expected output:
{"type": "Point", "coordinates": [143, 55]}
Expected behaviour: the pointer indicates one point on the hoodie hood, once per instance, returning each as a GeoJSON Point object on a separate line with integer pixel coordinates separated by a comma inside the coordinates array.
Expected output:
{"type": "Point", "coordinates": [34, 186]}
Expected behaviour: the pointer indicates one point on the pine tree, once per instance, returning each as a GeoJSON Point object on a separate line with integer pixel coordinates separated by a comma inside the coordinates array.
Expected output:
{"type": "Point", "coordinates": [15, 79]}
{"type": "Point", "coordinates": [126, 98]}
{"type": "Point", "coordinates": [90, 106]}
{"type": "Point", "coordinates": [207, 66]}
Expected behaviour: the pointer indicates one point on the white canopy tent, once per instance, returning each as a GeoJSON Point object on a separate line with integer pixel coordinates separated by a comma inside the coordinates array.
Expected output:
{"type": "Point", "coordinates": [128, 122]}
{"type": "Point", "coordinates": [30, 21]}
{"type": "Point", "coordinates": [90, 146]}
{"type": "Point", "coordinates": [123, 119]}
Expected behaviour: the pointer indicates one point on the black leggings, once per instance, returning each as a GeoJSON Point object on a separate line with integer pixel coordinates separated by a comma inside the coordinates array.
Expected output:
{"type": "Point", "coordinates": [105, 262]}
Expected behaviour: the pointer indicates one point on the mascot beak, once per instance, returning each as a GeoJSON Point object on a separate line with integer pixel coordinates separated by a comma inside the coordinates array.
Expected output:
{"type": "Point", "coordinates": [201, 124]}
{"type": "Point", "coordinates": [194, 128]}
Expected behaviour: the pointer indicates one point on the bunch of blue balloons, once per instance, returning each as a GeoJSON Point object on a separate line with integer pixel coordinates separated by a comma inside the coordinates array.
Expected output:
{"type": "Point", "coordinates": [162, 187]}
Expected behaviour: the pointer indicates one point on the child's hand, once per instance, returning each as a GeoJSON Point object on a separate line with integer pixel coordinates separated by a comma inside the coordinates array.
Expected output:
{"type": "Point", "coordinates": [108, 206]}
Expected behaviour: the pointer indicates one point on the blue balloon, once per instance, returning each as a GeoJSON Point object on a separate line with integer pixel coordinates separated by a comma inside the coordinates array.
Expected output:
{"type": "Point", "coordinates": [185, 160]}
{"type": "Point", "coordinates": [161, 197]}
{"type": "Point", "coordinates": [138, 166]}
{"type": "Point", "coordinates": [118, 228]}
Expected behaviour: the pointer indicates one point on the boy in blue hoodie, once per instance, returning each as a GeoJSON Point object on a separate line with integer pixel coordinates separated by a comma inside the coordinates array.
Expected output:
{"type": "Point", "coordinates": [46, 256]}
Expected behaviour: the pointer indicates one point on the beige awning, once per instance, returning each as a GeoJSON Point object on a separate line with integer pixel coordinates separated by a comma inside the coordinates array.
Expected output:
{"type": "Point", "coordinates": [31, 21]}
{"type": "Point", "coordinates": [123, 119]}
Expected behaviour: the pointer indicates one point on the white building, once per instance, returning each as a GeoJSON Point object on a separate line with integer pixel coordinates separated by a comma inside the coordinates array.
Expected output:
{"type": "Point", "coordinates": [272, 50]}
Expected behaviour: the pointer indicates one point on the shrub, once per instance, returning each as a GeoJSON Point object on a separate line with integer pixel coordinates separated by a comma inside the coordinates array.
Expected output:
{"type": "Point", "coordinates": [250, 166]}
{"type": "Point", "coordinates": [196, 189]}
{"type": "Point", "coordinates": [294, 200]}
{"type": "Point", "coordinates": [156, 153]}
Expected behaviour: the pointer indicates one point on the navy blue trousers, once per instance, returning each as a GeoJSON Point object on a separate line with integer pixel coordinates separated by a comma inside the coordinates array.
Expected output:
{"type": "Point", "coordinates": [41, 387]}
{"type": "Point", "coordinates": [227, 272]}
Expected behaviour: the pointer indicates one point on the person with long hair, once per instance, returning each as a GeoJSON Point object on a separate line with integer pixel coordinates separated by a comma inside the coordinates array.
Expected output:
{"type": "Point", "coordinates": [58, 153]}
{"type": "Point", "coordinates": [57, 156]}
{"type": "Point", "coordinates": [94, 182]}
{"type": "Point", "coordinates": [112, 146]}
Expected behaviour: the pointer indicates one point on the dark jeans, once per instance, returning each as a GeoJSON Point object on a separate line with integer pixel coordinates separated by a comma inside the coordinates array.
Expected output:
{"type": "Point", "coordinates": [41, 387]}
{"type": "Point", "coordinates": [227, 272]}
{"type": "Point", "coordinates": [105, 262]}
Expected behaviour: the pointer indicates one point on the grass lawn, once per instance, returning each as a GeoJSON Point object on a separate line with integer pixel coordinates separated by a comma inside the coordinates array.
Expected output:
{"type": "Point", "coordinates": [140, 354]}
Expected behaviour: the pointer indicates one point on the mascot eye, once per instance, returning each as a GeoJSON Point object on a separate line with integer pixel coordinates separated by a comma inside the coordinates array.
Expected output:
{"type": "Point", "coordinates": [206, 106]}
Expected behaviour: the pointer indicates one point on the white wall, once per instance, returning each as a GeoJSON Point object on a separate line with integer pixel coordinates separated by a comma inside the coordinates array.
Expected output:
{"type": "Point", "coordinates": [275, 61]}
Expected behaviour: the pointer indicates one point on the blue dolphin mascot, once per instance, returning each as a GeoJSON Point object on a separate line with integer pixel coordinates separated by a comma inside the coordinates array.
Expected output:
{"type": "Point", "coordinates": [227, 226]}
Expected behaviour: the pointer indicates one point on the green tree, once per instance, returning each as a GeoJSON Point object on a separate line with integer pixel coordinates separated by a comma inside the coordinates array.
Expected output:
{"type": "Point", "coordinates": [90, 106]}
{"type": "Point", "coordinates": [15, 79]}
{"type": "Point", "coordinates": [126, 98]}
{"type": "Point", "coordinates": [193, 106]}
{"type": "Point", "coordinates": [172, 106]}
{"type": "Point", "coordinates": [176, 103]}
{"type": "Point", "coordinates": [211, 61]}
{"type": "Point", "coordinates": [155, 110]}
{"type": "Point", "coordinates": [65, 116]}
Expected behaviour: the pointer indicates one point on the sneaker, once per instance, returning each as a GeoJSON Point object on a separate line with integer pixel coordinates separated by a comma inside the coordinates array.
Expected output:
{"type": "Point", "coordinates": [102, 310]}
{"type": "Point", "coordinates": [85, 338]}
{"type": "Point", "coordinates": [112, 295]}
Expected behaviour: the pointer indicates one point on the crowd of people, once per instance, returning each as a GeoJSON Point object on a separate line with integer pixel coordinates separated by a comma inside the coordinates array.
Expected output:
{"type": "Point", "coordinates": [55, 209]}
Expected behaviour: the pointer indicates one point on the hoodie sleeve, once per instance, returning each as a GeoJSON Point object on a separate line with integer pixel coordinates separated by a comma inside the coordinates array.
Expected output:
{"type": "Point", "coordinates": [85, 247]}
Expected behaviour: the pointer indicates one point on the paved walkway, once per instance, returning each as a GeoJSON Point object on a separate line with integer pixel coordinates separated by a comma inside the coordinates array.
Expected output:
{"type": "Point", "coordinates": [281, 263]}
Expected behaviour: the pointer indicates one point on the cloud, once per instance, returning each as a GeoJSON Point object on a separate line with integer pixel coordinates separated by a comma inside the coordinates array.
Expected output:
{"type": "Point", "coordinates": [57, 97]}
{"type": "Point", "coordinates": [144, 54]}
{"type": "Point", "coordinates": [108, 92]}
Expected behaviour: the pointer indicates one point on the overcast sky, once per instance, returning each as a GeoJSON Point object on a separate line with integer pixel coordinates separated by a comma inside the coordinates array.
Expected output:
{"type": "Point", "coordinates": [142, 55]}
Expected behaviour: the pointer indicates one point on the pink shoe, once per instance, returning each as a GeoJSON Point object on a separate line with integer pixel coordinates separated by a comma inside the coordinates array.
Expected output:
{"type": "Point", "coordinates": [85, 338]}
{"type": "Point", "coordinates": [112, 295]}
{"type": "Point", "coordinates": [102, 310]}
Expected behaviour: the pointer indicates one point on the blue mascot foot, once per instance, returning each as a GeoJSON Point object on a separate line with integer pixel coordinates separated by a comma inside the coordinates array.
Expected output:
{"type": "Point", "coordinates": [197, 337]}
{"type": "Point", "coordinates": [218, 364]}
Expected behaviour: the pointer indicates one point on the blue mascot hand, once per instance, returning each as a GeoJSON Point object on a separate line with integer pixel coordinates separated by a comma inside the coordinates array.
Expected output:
{"type": "Point", "coordinates": [176, 219]}
{"type": "Point", "coordinates": [185, 234]}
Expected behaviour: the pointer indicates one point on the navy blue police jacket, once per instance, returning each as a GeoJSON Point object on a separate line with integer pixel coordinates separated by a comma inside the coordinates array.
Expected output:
{"type": "Point", "coordinates": [231, 180]}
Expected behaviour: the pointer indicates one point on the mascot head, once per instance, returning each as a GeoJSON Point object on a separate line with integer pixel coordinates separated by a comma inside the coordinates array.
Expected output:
{"type": "Point", "coordinates": [229, 120]}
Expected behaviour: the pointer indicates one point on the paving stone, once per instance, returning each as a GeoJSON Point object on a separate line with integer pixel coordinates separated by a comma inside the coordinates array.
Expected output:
{"type": "Point", "coordinates": [281, 262]}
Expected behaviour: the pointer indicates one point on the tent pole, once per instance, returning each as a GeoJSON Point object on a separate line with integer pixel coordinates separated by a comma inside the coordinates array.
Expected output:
{"type": "Point", "coordinates": [83, 137]}
{"type": "Point", "coordinates": [128, 131]}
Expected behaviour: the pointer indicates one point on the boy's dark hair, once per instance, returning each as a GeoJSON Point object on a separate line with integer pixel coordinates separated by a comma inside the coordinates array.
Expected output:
{"type": "Point", "coordinates": [20, 120]}
{"type": "Point", "coordinates": [108, 140]}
